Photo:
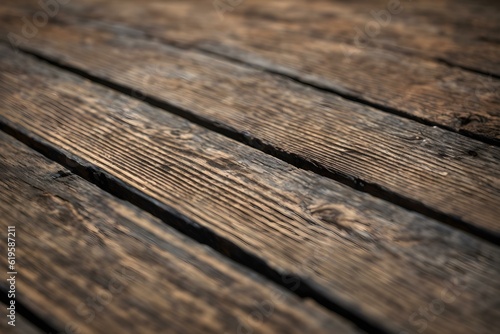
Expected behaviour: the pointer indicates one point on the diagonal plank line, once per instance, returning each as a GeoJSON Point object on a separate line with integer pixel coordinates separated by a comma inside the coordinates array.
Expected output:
{"type": "Point", "coordinates": [316, 85]}
{"type": "Point", "coordinates": [360, 100]}
{"type": "Point", "coordinates": [290, 75]}
{"type": "Point", "coordinates": [465, 68]}
{"type": "Point", "coordinates": [291, 158]}
{"type": "Point", "coordinates": [188, 227]}
{"type": "Point", "coordinates": [182, 172]}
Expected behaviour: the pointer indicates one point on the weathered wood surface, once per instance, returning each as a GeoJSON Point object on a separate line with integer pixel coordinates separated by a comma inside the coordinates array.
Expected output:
{"type": "Point", "coordinates": [278, 36]}
{"type": "Point", "coordinates": [427, 169]}
{"type": "Point", "coordinates": [461, 33]}
{"type": "Point", "coordinates": [91, 263]}
{"type": "Point", "coordinates": [362, 253]}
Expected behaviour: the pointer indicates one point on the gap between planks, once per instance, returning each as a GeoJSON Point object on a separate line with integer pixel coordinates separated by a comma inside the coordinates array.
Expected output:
{"type": "Point", "coordinates": [304, 79]}
{"type": "Point", "coordinates": [292, 282]}
{"type": "Point", "coordinates": [434, 161]}
{"type": "Point", "coordinates": [288, 157]}
{"type": "Point", "coordinates": [346, 95]}
{"type": "Point", "coordinates": [447, 238]}
{"type": "Point", "coordinates": [80, 216]}
{"type": "Point", "coordinates": [279, 71]}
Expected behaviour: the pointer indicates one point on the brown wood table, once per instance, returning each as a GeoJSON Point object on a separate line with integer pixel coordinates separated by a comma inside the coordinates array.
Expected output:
{"type": "Point", "coordinates": [250, 166]}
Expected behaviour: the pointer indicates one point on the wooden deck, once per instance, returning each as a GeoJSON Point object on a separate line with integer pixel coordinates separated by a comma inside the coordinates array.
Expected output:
{"type": "Point", "coordinates": [250, 166]}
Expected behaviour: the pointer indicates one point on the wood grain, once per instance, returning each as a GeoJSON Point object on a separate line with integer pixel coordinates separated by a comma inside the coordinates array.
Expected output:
{"type": "Point", "coordinates": [278, 36]}
{"type": "Point", "coordinates": [365, 254]}
{"type": "Point", "coordinates": [430, 170]}
{"type": "Point", "coordinates": [443, 31]}
{"type": "Point", "coordinates": [95, 264]}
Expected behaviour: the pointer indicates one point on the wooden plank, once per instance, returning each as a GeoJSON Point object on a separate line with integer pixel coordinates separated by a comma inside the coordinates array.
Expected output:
{"type": "Point", "coordinates": [95, 264]}
{"type": "Point", "coordinates": [362, 253]}
{"type": "Point", "coordinates": [435, 172]}
{"type": "Point", "coordinates": [443, 31]}
{"type": "Point", "coordinates": [460, 20]}
{"type": "Point", "coordinates": [325, 56]}
{"type": "Point", "coordinates": [447, 30]}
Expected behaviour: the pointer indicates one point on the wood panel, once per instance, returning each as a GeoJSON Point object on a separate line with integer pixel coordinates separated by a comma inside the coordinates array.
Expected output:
{"type": "Point", "coordinates": [325, 55]}
{"type": "Point", "coordinates": [444, 31]}
{"type": "Point", "coordinates": [91, 263]}
{"type": "Point", "coordinates": [361, 253]}
{"type": "Point", "coordinates": [447, 30]}
{"type": "Point", "coordinates": [430, 170]}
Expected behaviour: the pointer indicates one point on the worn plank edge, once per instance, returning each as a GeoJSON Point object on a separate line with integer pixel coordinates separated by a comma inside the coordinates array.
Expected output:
{"type": "Point", "coordinates": [41, 181]}
{"type": "Point", "coordinates": [288, 157]}
{"type": "Point", "coordinates": [405, 50]}
{"type": "Point", "coordinates": [315, 84]}
{"type": "Point", "coordinates": [351, 97]}
{"type": "Point", "coordinates": [300, 286]}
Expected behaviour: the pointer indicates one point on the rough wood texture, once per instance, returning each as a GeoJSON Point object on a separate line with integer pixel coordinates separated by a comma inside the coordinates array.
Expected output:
{"type": "Point", "coordinates": [93, 264]}
{"type": "Point", "coordinates": [278, 36]}
{"type": "Point", "coordinates": [360, 252]}
{"type": "Point", "coordinates": [461, 33]}
{"type": "Point", "coordinates": [427, 169]}
{"type": "Point", "coordinates": [446, 31]}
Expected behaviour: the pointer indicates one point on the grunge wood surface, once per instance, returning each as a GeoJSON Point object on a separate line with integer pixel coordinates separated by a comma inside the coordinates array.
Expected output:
{"type": "Point", "coordinates": [427, 169]}
{"type": "Point", "coordinates": [358, 251]}
{"type": "Point", "coordinates": [102, 258]}
{"type": "Point", "coordinates": [227, 166]}
{"type": "Point", "coordinates": [280, 37]}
